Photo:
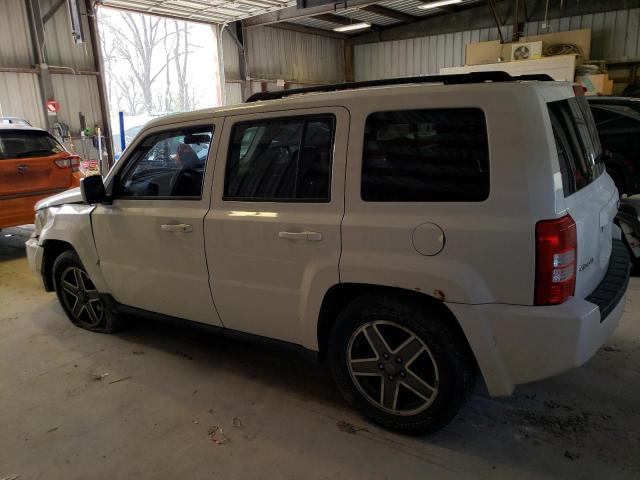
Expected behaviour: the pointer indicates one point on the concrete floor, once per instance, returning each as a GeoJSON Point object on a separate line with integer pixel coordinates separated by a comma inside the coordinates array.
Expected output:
{"type": "Point", "coordinates": [164, 402]}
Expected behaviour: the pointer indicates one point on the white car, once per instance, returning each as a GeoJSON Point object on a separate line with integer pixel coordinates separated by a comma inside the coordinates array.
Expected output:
{"type": "Point", "coordinates": [410, 233]}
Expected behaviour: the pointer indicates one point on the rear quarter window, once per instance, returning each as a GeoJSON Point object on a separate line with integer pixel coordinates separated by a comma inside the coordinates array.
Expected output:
{"type": "Point", "coordinates": [577, 143]}
{"type": "Point", "coordinates": [437, 155]}
{"type": "Point", "coordinates": [27, 143]}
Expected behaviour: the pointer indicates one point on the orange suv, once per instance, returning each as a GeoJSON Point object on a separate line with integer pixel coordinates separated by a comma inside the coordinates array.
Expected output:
{"type": "Point", "coordinates": [33, 165]}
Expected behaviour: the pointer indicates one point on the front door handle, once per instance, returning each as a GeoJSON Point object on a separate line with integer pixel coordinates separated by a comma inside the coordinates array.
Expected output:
{"type": "Point", "coordinates": [308, 236]}
{"type": "Point", "coordinates": [176, 228]}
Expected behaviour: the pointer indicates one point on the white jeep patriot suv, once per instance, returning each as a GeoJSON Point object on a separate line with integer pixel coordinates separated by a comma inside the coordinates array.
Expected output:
{"type": "Point", "coordinates": [412, 231]}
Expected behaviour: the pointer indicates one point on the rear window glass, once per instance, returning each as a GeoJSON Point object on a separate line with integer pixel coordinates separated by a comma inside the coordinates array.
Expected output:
{"type": "Point", "coordinates": [27, 143]}
{"type": "Point", "coordinates": [435, 155]}
{"type": "Point", "coordinates": [577, 143]}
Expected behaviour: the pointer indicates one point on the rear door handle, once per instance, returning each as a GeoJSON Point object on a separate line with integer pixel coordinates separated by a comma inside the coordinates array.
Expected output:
{"type": "Point", "coordinates": [176, 228]}
{"type": "Point", "coordinates": [308, 236]}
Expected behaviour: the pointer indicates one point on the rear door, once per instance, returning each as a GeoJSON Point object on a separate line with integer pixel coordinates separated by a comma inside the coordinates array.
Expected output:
{"type": "Point", "coordinates": [591, 197]}
{"type": "Point", "coordinates": [27, 164]}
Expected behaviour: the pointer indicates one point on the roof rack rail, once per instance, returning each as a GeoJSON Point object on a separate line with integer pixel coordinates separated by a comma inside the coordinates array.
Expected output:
{"type": "Point", "coordinates": [473, 77]}
{"type": "Point", "coordinates": [540, 77]}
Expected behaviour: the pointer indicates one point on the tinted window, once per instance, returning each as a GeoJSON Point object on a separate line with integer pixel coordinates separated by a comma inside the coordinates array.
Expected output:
{"type": "Point", "coordinates": [27, 143]}
{"type": "Point", "coordinates": [576, 138]}
{"type": "Point", "coordinates": [281, 159]}
{"type": "Point", "coordinates": [167, 164]}
{"type": "Point", "coordinates": [425, 156]}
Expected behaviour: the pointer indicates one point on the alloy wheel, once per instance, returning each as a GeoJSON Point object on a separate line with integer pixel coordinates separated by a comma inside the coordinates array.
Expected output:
{"type": "Point", "coordinates": [81, 297]}
{"type": "Point", "coordinates": [392, 368]}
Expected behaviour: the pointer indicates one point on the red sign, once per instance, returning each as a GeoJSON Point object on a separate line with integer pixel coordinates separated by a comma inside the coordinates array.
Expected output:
{"type": "Point", "coordinates": [53, 106]}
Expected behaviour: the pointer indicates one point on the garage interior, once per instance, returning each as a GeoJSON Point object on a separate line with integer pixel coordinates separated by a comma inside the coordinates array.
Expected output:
{"type": "Point", "coordinates": [164, 401]}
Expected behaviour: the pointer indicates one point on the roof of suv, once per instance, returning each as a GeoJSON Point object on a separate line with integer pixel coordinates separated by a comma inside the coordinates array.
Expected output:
{"type": "Point", "coordinates": [313, 96]}
{"type": "Point", "coordinates": [18, 126]}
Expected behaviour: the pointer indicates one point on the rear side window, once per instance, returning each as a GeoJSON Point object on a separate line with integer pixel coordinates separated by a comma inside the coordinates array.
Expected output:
{"type": "Point", "coordinates": [281, 160]}
{"type": "Point", "coordinates": [27, 143]}
{"type": "Point", "coordinates": [426, 156]}
{"type": "Point", "coordinates": [577, 143]}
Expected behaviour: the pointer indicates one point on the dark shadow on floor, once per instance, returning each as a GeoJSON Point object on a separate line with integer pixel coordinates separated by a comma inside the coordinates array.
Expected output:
{"type": "Point", "coordinates": [12, 242]}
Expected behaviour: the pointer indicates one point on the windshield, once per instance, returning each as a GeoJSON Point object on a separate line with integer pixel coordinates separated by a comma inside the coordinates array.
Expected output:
{"type": "Point", "coordinates": [577, 143]}
{"type": "Point", "coordinates": [27, 143]}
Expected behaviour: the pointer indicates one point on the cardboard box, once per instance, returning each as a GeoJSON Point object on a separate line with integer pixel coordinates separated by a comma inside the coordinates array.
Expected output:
{"type": "Point", "coordinates": [488, 52]}
{"type": "Point", "coordinates": [526, 51]}
{"type": "Point", "coordinates": [598, 84]}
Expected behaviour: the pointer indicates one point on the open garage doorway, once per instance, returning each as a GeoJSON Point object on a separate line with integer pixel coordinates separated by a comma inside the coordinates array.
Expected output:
{"type": "Point", "coordinates": [155, 66]}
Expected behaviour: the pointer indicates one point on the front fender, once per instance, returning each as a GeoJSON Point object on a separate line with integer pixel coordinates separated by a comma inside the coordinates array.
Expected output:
{"type": "Point", "coordinates": [72, 224]}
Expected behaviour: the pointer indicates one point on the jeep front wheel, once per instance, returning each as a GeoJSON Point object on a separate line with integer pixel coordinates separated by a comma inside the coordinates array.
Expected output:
{"type": "Point", "coordinates": [79, 297]}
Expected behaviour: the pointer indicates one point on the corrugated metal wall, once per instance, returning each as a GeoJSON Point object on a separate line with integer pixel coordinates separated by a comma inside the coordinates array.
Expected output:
{"type": "Point", "coordinates": [20, 97]}
{"type": "Point", "coordinates": [276, 53]}
{"type": "Point", "coordinates": [231, 56]}
{"type": "Point", "coordinates": [61, 50]}
{"type": "Point", "coordinates": [20, 92]}
{"type": "Point", "coordinates": [77, 93]}
{"type": "Point", "coordinates": [615, 36]}
{"type": "Point", "coordinates": [15, 44]}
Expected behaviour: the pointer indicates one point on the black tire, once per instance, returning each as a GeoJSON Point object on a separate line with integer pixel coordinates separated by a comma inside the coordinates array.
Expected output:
{"type": "Point", "coordinates": [453, 373]}
{"type": "Point", "coordinates": [79, 298]}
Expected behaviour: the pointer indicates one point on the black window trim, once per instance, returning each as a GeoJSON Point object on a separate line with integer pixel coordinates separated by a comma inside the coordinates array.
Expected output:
{"type": "Point", "coordinates": [438, 202]}
{"type": "Point", "coordinates": [124, 169]}
{"type": "Point", "coordinates": [576, 143]}
{"type": "Point", "coordinates": [305, 117]}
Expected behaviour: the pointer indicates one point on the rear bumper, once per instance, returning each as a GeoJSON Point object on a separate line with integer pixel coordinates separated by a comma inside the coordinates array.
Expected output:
{"type": "Point", "coordinates": [521, 344]}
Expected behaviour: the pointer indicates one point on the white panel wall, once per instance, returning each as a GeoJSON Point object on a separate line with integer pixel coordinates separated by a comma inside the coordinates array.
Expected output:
{"type": "Point", "coordinates": [276, 53]}
{"type": "Point", "coordinates": [20, 97]}
{"type": "Point", "coordinates": [77, 94]}
{"type": "Point", "coordinates": [15, 44]}
{"type": "Point", "coordinates": [615, 36]}
{"type": "Point", "coordinates": [418, 56]}
{"type": "Point", "coordinates": [20, 92]}
{"type": "Point", "coordinates": [59, 45]}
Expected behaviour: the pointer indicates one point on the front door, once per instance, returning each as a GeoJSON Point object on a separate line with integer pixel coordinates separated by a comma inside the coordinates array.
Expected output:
{"type": "Point", "coordinates": [273, 231]}
{"type": "Point", "coordinates": [150, 241]}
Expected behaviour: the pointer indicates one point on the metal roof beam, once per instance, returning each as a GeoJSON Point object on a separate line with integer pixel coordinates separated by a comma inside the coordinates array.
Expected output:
{"type": "Point", "coordinates": [295, 27]}
{"type": "Point", "coordinates": [331, 18]}
{"type": "Point", "coordinates": [293, 13]}
{"type": "Point", "coordinates": [389, 13]}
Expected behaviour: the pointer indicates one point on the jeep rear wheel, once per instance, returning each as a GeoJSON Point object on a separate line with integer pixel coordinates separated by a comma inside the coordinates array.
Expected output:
{"type": "Point", "coordinates": [400, 363]}
{"type": "Point", "coordinates": [79, 297]}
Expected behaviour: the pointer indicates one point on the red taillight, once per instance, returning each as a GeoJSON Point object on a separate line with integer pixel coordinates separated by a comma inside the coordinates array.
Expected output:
{"type": "Point", "coordinates": [72, 162]}
{"type": "Point", "coordinates": [556, 247]}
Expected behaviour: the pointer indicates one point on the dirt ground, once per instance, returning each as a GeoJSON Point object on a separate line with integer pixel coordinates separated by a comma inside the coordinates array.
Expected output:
{"type": "Point", "coordinates": [164, 402]}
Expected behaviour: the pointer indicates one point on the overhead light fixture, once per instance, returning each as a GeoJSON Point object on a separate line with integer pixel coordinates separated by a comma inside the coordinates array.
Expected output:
{"type": "Point", "coordinates": [439, 3]}
{"type": "Point", "coordinates": [352, 26]}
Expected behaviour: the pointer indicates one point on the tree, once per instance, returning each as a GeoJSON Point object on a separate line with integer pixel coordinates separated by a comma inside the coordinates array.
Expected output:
{"type": "Point", "coordinates": [147, 62]}
{"type": "Point", "coordinates": [136, 46]}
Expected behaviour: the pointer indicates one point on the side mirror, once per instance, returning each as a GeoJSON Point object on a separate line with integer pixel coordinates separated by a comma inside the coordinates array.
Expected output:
{"type": "Point", "coordinates": [92, 189]}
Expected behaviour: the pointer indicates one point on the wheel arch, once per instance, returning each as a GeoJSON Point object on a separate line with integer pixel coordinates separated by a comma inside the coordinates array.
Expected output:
{"type": "Point", "coordinates": [340, 295]}
{"type": "Point", "coordinates": [52, 250]}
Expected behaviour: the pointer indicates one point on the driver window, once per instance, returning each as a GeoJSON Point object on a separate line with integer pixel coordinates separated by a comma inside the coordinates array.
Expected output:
{"type": "Point", "coordinates": [168, 164]}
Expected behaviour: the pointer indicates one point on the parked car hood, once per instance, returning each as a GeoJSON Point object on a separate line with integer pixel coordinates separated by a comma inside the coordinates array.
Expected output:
{"type": "Point", "coordinates": [68, 196]}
